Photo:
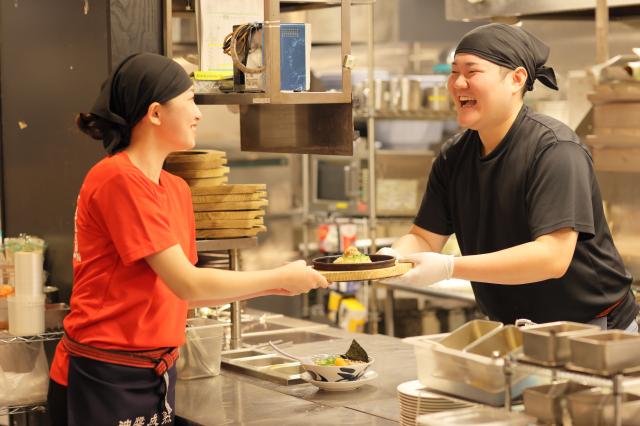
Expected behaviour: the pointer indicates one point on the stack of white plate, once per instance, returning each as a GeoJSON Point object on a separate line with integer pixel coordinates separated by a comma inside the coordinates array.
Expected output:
{"type": "Point", "coordinates": [415, 400]}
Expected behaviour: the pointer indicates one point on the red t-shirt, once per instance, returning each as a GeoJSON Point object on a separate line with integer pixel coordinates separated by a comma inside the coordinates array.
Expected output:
{"type": "Point", "coordinates": [118, 302]}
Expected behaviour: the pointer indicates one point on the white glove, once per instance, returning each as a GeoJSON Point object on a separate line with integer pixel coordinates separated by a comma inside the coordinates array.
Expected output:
{"type": "Point", "coordinates": [428, 268]}
{"type": "Point", "coordinates": [389, 252]}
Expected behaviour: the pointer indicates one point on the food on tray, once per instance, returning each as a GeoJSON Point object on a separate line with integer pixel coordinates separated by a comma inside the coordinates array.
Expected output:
{"type": "Point", "coordinates": [355, 355]}
{"type": "Point", "coordinates": [352, 255]}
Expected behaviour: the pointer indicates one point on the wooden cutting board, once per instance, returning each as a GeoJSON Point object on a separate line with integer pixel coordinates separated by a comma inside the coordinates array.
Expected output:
{"type": "Point", "coordinates": [242, 214]}
{"type": "Point", "coordinates": [224, 198]}
{"type": "Point", "coordinates": [194, 155]}
{"type": "Point", "coordinates": [207, 182]}
{"type": "Point", "coordinates": [230, 233]}
{"type": "Point", "coordinates": [229, 224]}
{"type": "Point", "coordinates": [229, 189]}
{"type": "Point", "coordinates": [195, 165]}
{"type": "Point", "coordinates": [227, 206]}
{"type": "Point", "coordinates": [199, 174]}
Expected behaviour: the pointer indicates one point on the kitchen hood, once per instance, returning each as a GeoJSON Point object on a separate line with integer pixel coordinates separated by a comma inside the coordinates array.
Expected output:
{"type": "Point", "coordinates": [475, 10]}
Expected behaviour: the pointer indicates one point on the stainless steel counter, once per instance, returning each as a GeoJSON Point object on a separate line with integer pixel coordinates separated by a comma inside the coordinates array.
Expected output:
{"type": "Point", "coordinates": [234, 398]}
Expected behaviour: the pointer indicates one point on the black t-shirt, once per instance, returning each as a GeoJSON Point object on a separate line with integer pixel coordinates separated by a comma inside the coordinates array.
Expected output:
{"type": "Point", "coordinates": [539, 179]}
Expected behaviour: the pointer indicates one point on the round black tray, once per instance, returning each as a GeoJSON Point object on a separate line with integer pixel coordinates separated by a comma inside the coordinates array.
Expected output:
{"type": "Point", "coordinates": [378, 261]}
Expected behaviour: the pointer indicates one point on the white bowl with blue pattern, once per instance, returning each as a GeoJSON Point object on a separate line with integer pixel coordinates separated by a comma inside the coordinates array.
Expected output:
{"type": "Point", "coordinates": [334, 373]}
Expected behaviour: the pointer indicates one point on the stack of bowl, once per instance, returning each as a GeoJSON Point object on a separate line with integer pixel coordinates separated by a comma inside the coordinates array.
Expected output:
{"type": "Point", "coordinates": [415, 400]}
{"type": "Point", "coordinates": [221, 210]}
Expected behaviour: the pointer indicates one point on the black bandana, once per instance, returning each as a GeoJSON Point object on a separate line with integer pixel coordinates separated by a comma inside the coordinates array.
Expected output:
{"type": "Point", "coordinates": [510, 47]}
{"type": "Point", "coordinates": [139, 80]}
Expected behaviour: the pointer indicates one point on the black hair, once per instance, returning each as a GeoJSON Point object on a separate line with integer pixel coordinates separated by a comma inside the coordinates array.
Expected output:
{"type": "Point", "coordinates": [114, 137]}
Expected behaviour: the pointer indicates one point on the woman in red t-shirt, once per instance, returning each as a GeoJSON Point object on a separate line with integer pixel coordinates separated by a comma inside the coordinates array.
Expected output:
{"type": "Point", "coordinates": [134, 256]}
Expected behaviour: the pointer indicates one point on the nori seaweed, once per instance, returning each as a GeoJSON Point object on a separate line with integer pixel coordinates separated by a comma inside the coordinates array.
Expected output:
{"type": "Point", "coordinates": [356, 353]}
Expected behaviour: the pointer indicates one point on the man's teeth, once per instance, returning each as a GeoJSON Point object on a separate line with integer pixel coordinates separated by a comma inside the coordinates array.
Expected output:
{"type": "Point", "coordinates": [464, 100]}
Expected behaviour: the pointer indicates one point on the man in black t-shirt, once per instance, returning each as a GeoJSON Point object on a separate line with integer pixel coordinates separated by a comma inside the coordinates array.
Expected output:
{"type": "Point", "coordinates": [519, 191]}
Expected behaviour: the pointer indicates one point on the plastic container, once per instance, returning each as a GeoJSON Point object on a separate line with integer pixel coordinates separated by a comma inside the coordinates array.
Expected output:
{"type": "Point", "coordinates": [200, 354]}
{"type": "Point", "coordinates": [26, 315]}
{"type": "Point", "coordinates": [24, 373]}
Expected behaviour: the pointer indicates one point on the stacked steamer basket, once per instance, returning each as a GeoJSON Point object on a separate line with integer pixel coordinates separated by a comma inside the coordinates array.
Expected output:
{"type": "Point", "coordinates": [221, 210]}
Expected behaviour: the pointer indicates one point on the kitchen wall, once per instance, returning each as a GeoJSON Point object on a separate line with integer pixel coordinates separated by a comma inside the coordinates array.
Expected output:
{"type": "Point", "coordinates": [54, 57]}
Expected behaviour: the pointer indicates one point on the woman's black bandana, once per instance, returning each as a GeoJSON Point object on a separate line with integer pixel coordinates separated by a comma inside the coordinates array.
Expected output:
{"type": "Point", "coordinates": [139, 80]}
{"type": "Point", "coordinates": [510, 47]}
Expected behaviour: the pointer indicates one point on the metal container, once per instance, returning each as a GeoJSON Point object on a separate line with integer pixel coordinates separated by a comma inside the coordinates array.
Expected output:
{"type": "Point", "coordinates": [54, 315]}
{"type": "Point", "coordinates": [545, 402]}
{"type": "Point", "coordinates": [605, 353]}
{"type": "Point", "coordinates": [498, 343]}
{"type": "Point", "coordinates": [548, 344]}
{"type": "Point", "coordinates": [468, 333]}
{"type": "Point", "coordinates": [595, 407]}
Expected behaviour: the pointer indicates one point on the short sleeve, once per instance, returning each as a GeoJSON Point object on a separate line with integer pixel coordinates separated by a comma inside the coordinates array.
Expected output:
{"type": "Point", "coordinates": [559, 194]}
{"type": "Point", "coordinates": [134, 213]}
{"type": "Point", "coordinates": [434, 214]}
{"type": "Point", "coordinates": [193, 250]}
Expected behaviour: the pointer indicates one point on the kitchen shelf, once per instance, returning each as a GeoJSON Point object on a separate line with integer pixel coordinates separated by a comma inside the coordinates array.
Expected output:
{"type": "Point", "coordinates": [21, 409]}
{"type": "Point", "coordinates": [44, 337]}
{"type": "Point", "coordinates": [294, 5]}
{"type": "Point", "coordinates": [226, 244]}
{"type": "Point", "coordinates": [280, 98]}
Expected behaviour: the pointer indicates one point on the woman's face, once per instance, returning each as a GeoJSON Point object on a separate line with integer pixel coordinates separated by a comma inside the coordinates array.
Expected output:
{"type": "Point", "coordinates": [179, 118]}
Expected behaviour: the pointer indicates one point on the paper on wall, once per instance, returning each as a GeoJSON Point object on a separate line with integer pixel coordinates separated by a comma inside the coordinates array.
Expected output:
{"type": "Point", "coordinates": [216, 19]}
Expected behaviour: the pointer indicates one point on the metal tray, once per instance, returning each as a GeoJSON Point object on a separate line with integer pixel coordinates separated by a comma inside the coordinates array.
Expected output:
{"type": "Point", "coordinates": [468, 333]}
{"type": "Point", "coordinates": [595, 407]}
{"type": "Point", "coordinates": [497, 343]}
{"type": "Point", "coordinates": [378, 261]}
{"type": "Point", "coordinates": [545, 402]}
{"type": "Point", "coordinates": [548, 343]}
{"type": "Point", "coordinates": [607, 352]}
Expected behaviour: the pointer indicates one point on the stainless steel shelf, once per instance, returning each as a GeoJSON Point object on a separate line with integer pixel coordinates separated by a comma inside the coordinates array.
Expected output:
{"type": "Point", "coordinates": [44, 337]}
{"type": "Point", "coordinates": [626, 382]}
{"type": "Point", "coordinates": [280, 98]}
{"type": "Point", "coordinates": [226, 244]}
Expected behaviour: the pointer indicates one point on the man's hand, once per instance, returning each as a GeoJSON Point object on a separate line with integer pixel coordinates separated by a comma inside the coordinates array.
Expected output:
{"type": "Point", "coordinates": [429, 268]}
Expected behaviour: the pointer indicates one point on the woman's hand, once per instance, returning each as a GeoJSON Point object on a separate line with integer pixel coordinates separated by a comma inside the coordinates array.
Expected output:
{"type": "Point", "coordinates": [298, 278]}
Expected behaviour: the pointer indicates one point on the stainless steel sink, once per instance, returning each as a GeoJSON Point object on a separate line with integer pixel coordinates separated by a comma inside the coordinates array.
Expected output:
{"type": "Point", "coordinates": [292, 337]}
{"type": "Point", "coordinates": [265, 361]}
{"type": "Point", "coordinates": [265, 365]}
{"type": "Point", "coordinates": [260, 326]}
